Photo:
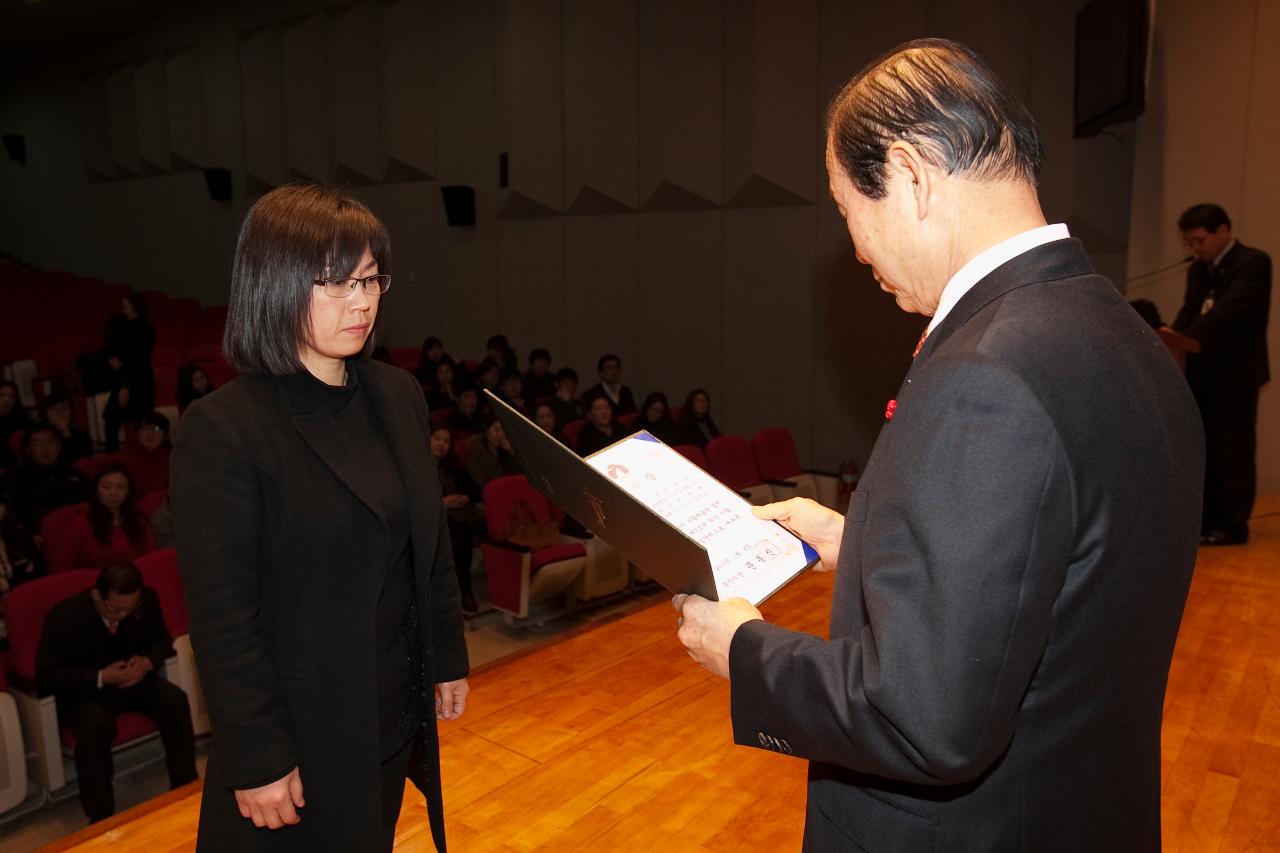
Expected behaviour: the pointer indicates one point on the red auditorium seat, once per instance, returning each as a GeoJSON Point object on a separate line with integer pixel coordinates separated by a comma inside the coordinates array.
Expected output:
{"type": "Point", "coordinates": [694, 454]}
{"type": "Point", "coordinates": [406, 357]}
{"type": "Point", "coordinates": [147, 503]}
{"type": "Point", "coordinates": [572, 430]}
{"type": "Point", "coordinates": [168, 356]}
{"type": "Point", "coordinates": [440, 418]}
{"type": "Point", "coordinates": [776, 458]}
{"type": "Point", "coordinates": [202, 352]}
{"type": "Point", "coordinates": [628, 420]}
{"type": "Point", "coordinates": [520, 576]}
{"type": "Point", "coordinates": [59, 544]}
{"type": "Point", "coordinates": [89, 464]}
{"type": "Point", "coordinates": [160, 572]}
{"type": "Point", "coordinates": [730, 461]}
{"type": "Point", "coordinates": [166, 385]}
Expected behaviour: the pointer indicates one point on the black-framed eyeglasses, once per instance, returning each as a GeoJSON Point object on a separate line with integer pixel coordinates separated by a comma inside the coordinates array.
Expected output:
{"type": "Point", "coordinates": [340, 288]}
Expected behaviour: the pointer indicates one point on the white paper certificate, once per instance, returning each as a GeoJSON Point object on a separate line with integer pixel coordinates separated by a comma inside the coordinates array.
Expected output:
{"type": "Point", "coordinates": [750, 558]}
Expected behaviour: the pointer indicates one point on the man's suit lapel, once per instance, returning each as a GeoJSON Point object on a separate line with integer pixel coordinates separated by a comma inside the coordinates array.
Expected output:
{"type": "Point", "coordinates": [1048, 262]}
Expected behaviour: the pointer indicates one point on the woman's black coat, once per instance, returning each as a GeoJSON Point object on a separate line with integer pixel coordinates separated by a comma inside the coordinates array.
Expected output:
{"type": "Point", "coordinates": [283, 552]}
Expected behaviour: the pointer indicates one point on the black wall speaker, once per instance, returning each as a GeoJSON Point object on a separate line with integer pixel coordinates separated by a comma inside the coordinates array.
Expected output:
{"type": "Point", "coordinates": [219, 183]}
{"type": "Point", "coordinates": [459, 205]}
{"type": "Point", "coordinates": [16, 145]}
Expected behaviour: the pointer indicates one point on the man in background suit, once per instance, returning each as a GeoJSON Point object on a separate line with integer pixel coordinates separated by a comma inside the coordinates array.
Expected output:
{"type": "Point", "coordinates": [1226, 306]}
{"type": "Point", "coordinates": [610, 385]}
{"type": "Point", "coordinates": [100, 654]}
{"type": "Point", "coordinates": [1014, 563]}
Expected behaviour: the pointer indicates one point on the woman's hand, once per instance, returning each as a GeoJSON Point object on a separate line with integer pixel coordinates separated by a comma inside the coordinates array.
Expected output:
{"type": "Point", "coordinates": [456, 501]}
{"type": "Point", "coordinates": [451, 699]}
{"type": "Point", "coordinates": [821, 527]}
{"type": "Point", "coordinates": [273, 805]}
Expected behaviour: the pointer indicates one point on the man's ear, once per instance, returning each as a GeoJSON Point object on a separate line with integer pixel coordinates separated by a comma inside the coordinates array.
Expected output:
{"type": "Point", "coordinates": [904, 163]}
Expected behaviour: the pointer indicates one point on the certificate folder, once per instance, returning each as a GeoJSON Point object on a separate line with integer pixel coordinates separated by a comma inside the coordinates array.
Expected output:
{"type": "Point", "coordinates": [664, 513]}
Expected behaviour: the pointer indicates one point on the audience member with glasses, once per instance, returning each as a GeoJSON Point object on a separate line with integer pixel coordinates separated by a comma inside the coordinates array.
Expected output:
{"type": "Point", "coordinates": [313, 542]}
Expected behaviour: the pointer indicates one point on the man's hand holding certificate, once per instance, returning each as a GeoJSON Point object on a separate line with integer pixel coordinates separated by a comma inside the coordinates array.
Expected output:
{"type": "Point", "coordinates": [707, 627]}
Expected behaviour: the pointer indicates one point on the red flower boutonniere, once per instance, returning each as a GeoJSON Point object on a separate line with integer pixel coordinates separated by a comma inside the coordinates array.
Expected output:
{"type": "Point", "coordinates": [889, 409]}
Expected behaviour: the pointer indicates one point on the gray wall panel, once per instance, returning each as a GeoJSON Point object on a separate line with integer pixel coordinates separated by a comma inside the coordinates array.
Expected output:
{"type": "Point", "coordinates": [601, 145]}
{"type": "Point", "coordinates": [681, 101]}
{"type": "Point", "coordinates": [767, 322]}
{"type": "Point", "coordinates": [602, 300]}
{"type": "Point", "coordinates": [408, 90]}
{"type": "Point", "coordinates": [184, 101]}
{"type": "Point", "coordinates": [359, 146]}
{"type": "Point", "coordinates": [153, 114]}
{"type": "Point", "coordinates": [681, 302]}
{"type": "Point", "coordinates": [304, 51]}
{"type": "Point", "coordinates": [260, 91]}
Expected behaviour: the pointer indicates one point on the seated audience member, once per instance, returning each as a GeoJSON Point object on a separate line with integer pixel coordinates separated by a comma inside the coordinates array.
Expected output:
{"type": "Point", "coordinates": [499, 351]}
{"type": "Point", "coordinates": [129, 341]}
{"type": "Point", "coordinates": [148, 457]}
{"type": "Point", "coordinates": [655, 418]}
{"type": "Point", "coordinates": [111, 529]}
{"type": "Point", "coordinates": [699, 428]}
{"type": "Point", "coordinates": [460, 499]}
{"type": "Point", "coordinates": [466, 417]}
{"type": "Point", "coordinates": [19, 557]}
{"type": "Point", "coordinates": [12, 419]}
{"type": "Point", "coordinates": [55, 410]}
{"type": "Point", "coordinates": [444, 392]}
{"type": "Point", "coordinates": [487, 376]}
{"type": "Point", "coordinates": [41, 482]}
{"type": "Point", "coordinates": [511, 390]}
{"type": "Point", "coordinates": [1148, 311]}
{"type": "Point", "coordinates": [565, 402]}
{"type": "Point", "coordinates": [610, 384]}
{"type": "Point", "coordinates": [539, 381]}
{"type": "Point", "coordinates": [600, 430]}
{"type": "Point", "coordinates": [489, 454]}
{"type": "Point", "coordinates": [544, 415]}
{"type": "Point", "coordinates": [100, 654]}
{"type": "Point", "coordinates": [429, 361]}
{"type": "Point", "coordinates": [193, 383]}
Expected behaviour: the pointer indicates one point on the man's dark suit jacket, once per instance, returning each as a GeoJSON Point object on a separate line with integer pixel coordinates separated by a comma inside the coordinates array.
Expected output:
{"type": "Point", "coordinates": [73, 649]}
{"type": "Point", "coordinates": [626, 400]}
{"type": "Point", "coordinates": [1233, 335]}
{"type": "Point", "coordinates": [1013, 571]}
{"type": "Point", "coordinates": [277, 522]}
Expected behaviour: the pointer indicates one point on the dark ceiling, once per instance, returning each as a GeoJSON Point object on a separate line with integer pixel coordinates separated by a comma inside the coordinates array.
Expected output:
{"type": "Point", "coordinates": [30, 29]}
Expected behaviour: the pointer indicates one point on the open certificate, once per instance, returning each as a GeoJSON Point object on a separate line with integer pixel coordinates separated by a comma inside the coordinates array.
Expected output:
{"type": "Point", "coordinates": [750, 558]}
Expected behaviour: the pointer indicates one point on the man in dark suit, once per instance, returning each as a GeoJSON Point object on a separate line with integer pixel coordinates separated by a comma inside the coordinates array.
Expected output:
{"type": "Point", "coordinates": [100, 654]}
{"type": "Point", "coordinates": [1014, 563]}
{"type": "Point", "coordinates": [1226, 306]}
{"type": "Point", "coordinates": [610, 385]}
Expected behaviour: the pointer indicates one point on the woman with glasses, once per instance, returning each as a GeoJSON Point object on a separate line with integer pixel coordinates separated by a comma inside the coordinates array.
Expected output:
{"type": "Point", "coordinates": [313, 542]}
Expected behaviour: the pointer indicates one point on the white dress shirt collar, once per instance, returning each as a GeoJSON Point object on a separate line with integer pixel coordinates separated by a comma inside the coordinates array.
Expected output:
{"type": "Point", "coordinates": [1217, 262]}
{"type": "Point", "coordinates": [980, 265]}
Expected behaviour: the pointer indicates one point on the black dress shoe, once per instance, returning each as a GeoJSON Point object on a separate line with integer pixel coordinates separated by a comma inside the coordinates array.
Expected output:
{"type": "Point", "coordinates": [1220, 537]}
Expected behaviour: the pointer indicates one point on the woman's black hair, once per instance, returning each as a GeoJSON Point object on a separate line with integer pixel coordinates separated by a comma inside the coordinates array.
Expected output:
{"type": "Point", "coordinates": [100, 518]}
{"type": "Point", "coordinates": [688, 403]}
{"type": "Point", "coordinates": [187, 393]}
{"type": "Point", "coordinates": [291, 237]}
{"type": "Point", "coordinates": [655, 397]}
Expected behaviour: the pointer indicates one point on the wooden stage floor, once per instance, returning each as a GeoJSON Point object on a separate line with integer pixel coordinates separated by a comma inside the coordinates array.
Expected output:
{"type": "Point", "coordinates": [613, 739]}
